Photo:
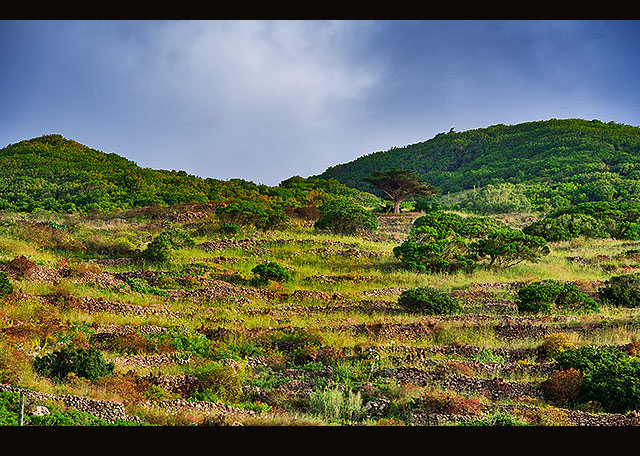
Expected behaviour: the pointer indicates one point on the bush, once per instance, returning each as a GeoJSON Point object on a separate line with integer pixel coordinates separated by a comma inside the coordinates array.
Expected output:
{"type": "Point", "coordinates": [593, 219]}
{"type": "Point", "coordinates": [142, 286]}
{"type": "Point", "coordinates": [434, 255]}
{"type": "Point", "coordinates": [426, 205]}
{"type": "Point", "coordinates": [429, 300]}
{"type": "Point", "coordinates": [343, 216]}
{"type": "Point", "coordinates": [218, 383]}
{"type": "Point", "coordinates": [160, 248]}
{"type": "Point", "coordinates": [9, 409]}
{"type": "Point", "coordinates": [567, 226]}
{"type": "Point", "coordinates": [301, 346]}
{"type": "Point", "coordinates": [468, 227]}
{"type": "Point", "coordinates": [563, 386]}
{"type": "Point", "coordinates": [447, 402]}
{"type": "Point", "coordinates": [229, 229]}
{"type": "Point", "coordinates": [610, 377]}
{"type": "Point", "coordinates": [621, 291]}
{"type": "Point", "coordinates": [22, 265]}
{"type": "Point", "coordinates": [498, 199]}
{"type": "Point", "coordinates": [246, 212]}
{"type": "Point", "coordinates": [548, 295]}
{"type": "Point", "coordinates": [507, 247]}
{"type": "Point", "coordinates": [554, 344]}
{"type": "Point", "coordinates": [79, 361]}
{"type": "Point", "coordinates": [270, 271]}
{"type": "Point", "coordinates": [6, 287]}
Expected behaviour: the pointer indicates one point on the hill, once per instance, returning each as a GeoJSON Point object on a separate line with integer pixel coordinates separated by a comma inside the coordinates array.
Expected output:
{"type": "Point", "coordinates": [61, 175]}
{"type": "Point", "coordinates": [554, 162]}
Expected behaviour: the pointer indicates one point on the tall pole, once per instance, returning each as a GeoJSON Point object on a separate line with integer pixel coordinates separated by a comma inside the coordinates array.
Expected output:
{"type": "Point", "coordinates": [21, 408]}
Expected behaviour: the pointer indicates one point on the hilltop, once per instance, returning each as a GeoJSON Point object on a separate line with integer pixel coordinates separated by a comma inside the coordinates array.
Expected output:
{"type": "Point", "coordinates": [553, 162]}
{"type": "Point", "coordinates": [61, 175]}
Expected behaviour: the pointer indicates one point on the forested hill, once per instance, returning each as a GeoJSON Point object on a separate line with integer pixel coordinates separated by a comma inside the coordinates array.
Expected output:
{"type": "Point", "coordinates": [61, 175]}
{"type": "Point", "coordinates": [596, 160]}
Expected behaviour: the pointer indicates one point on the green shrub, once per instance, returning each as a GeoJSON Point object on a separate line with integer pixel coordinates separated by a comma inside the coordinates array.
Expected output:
{"type": "Point", "coordinates": [142, 286]}
{"type": "Point", "coordinates": [498, 199]}
{"type": "Point", "coordinates": [270, 271]}
{"type": "Point", "coordinates": [568, 226]}
{"type": "Point", "coordinates": [246, 213]}
{"type": "Point", "coordinates": [218, 383]}
{"type": "Point", "coordinates": [79, 361]}
{"type": "Point", "coordinates": [429, 300]}
{"type": "Point", "coordinates": [548, 295]}
{"type": "Point", "coordinates": [229, 229]}
{"type": "Point", "coordinates": [435, 255]}
{"type": "Point", "coordinates": [343, 216]}
{"type": "Point", "coordinates": [6, 287]}
{"type": "Point", "coordinates": [426, 205]}
{"type": "Point", "coordinates": [160, 248]}
{"type": "Point", "coordinates": [621, 291]}
{"type": "Point", "coordinates": [507, 247]}
{"type": "Point", "coordinates": [592, 219]}
{"type": "Point", "coordinates": [610, 377]}
{"type": "Point", "coordinates": [187, 340]}
{"type": "Point", "coordinates": [468, 227]}
{"type": "Point", "coordinates": [9, 408]}
{"type": "Point", "coordinates": [439, 242]}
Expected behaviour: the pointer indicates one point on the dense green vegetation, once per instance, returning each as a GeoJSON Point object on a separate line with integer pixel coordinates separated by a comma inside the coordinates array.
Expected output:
{"type": "Point", "coordinates": [447, 242]}
{"type": "Point", "coordinates": [611, 378]}
{"type": "Point", "coordinates": [550, 295]}
{"type": "Point", "coordinates": [429, 300]}
{"type": "Point", "coordinates": [343, 216]}
{"type": "Point", "coordinates": [61, 175]}
{"type": "Point", "coordinates": [593, 220]}
{"type": "Point", "coordinates": [548, 164]}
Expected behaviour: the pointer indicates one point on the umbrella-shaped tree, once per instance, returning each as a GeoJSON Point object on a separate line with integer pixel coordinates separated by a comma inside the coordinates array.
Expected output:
{"type": "Point", "coordinates": [401, 185]}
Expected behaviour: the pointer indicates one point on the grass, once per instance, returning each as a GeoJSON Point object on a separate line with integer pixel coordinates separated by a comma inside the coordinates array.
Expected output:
{"type": "Point", "coordinates": [306, 397]}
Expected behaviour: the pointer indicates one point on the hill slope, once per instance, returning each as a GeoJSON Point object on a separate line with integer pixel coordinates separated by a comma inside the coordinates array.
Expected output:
{"type": "Point", "coordinates": [61, 175]}
{"type": "Point", "coordinates": [570, 151]}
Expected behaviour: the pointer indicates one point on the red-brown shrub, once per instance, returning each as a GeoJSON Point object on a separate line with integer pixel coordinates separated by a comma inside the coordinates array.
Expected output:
{"type": "Point", "coordinates": [563, 386]}
{"type": "Point", "coordinates": [447, 402]}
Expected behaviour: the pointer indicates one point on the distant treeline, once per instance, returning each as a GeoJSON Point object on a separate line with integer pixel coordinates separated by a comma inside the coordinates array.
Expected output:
{"type": "Point", "coordinates": [547, 164]}
{"type": "Point", "coordinates": [61, 175]}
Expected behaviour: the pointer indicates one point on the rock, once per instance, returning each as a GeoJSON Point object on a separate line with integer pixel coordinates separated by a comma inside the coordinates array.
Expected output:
{"type": "Point", "coordinates": [40, 410]}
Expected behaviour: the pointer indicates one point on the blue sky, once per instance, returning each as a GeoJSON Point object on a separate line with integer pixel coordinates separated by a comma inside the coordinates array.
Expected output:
{"type": "Point", "coordinates": [266, 100]}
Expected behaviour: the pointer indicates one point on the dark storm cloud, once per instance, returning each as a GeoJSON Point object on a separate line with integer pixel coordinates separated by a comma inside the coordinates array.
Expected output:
{"type": "Point", "coordinates": [267, 100]}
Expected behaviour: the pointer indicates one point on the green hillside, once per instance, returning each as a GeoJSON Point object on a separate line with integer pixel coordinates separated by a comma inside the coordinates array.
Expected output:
{"type": "Point", "coordinates": [61, 175]}
{"type": "Point", "coordinates": [554, 162]}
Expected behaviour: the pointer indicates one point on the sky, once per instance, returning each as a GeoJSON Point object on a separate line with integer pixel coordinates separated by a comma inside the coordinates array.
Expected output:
{"type": "Point", "coordinates": [267, 100]}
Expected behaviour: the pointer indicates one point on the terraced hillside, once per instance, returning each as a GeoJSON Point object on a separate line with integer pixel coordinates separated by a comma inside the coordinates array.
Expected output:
{"type": "Point", "coordinates": [198, 340]}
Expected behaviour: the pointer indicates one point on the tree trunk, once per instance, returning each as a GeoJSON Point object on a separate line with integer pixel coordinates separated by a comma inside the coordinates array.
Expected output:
{"type": "Point", "coordinates": [396, 206]}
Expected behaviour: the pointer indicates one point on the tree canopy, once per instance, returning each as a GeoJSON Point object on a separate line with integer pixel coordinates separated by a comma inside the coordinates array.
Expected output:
{"type": "Point", "coordinates": [401, 185]}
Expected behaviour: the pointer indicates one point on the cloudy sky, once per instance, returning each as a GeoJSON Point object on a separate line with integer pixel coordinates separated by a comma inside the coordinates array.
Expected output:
{"type": "Point", "coordinates": [266, 100]}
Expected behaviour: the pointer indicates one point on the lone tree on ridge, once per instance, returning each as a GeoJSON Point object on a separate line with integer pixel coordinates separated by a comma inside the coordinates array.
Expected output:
{"type": "Point", "coordinates": [401, 185]}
